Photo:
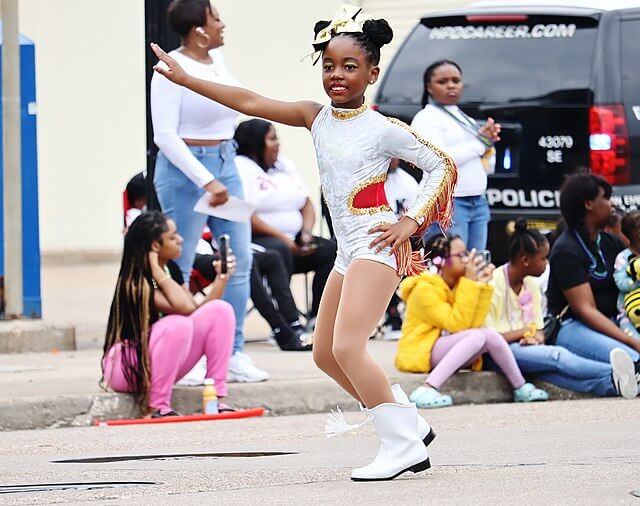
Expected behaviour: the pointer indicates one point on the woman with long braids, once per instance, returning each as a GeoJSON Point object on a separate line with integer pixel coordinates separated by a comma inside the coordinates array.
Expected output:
{"type": "Point", "coordinates": [156, 331]}
{"type": "Point", "coordinates": [354, 145]}
{"type": "Point", "coordinates": [581, 281]}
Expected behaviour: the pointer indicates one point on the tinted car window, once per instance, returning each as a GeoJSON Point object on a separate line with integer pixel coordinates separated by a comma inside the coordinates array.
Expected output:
{"type": "Point", "coordinates": [630, 32]}
{"type": "Point", "coordinates": [557, 53]}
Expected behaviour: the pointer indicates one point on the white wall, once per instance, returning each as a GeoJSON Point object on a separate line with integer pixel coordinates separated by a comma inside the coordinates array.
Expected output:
{"type": "Point", "coordinates": [91, 96]}
{"type": "Point", "coordinates": [268, 52]}
{"type": "Point", "coordinates": [91, 115]}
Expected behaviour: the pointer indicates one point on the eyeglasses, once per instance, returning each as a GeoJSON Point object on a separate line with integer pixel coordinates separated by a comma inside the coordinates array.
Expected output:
{"type": "Point", "coordinates": [462, 254]}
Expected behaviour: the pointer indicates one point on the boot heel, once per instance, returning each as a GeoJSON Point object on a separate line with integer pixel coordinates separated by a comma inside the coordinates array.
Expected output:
{"type": "Point", "coordinates": [422, 466]}
{"type": "Point", "coordinates": [428, 439]}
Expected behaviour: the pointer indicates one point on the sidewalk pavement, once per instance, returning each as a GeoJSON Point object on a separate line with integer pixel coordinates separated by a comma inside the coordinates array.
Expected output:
{"type": "Point", "coordinates": [41, 390]}
{"type": "Point", "coordinates": [60, 389]}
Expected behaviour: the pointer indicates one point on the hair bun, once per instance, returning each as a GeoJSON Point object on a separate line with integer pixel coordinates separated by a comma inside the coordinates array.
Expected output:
{"type": "Point", "coordinates": [521, 226]}
{"type": "Point", "coordinates": [378, 31]}
{"type": "Point", "coordinates": [319, 26]}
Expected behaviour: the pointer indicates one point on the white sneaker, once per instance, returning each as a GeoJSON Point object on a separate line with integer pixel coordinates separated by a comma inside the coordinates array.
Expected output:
{"type": "Point", "coordinates": [623, 372]}
{"type": "Point", "coordinates": [243, 370]}
{"type": "Point", "coordinates": [390, 334]}
{"type": "Point", "coordinates": [195, 377]}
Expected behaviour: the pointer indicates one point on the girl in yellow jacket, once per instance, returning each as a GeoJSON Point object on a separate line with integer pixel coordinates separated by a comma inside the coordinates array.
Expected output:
{"type": "Point", "coordinates": [443, 330]}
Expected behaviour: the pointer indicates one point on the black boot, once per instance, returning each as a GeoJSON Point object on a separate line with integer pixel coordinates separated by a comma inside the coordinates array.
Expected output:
{"type": "Point", "coordinates": [290, 340]}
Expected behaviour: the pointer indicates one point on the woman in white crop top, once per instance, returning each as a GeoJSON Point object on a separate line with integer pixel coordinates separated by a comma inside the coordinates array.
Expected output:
{"type": "Point", "coordinates": [354, 145]}
{"type": "Point", "coordinates": [196, 155]}
{"type": "Point", "coordinates": [471, 147]}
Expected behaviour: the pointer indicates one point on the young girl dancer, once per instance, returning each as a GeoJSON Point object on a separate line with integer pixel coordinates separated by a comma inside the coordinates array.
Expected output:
{"type": "Point", "coordinates": [354, 146]}
{"type": "Point", "coordinates": [444, 328]}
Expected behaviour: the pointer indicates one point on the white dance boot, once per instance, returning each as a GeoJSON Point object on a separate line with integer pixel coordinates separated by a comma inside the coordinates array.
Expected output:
{"type": "Point", "coordinates": [425, 432]}
{"type": "Point", "coordinates": [401, 449]}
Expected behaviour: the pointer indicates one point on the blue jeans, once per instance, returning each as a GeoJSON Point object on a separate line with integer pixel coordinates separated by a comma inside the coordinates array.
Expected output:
{"type": "Point", "coordinates": [178, 194]}
{"type": "Point", "coordinates": [575, 336]}
{"type": "Point", "coordinates": [560, 367]}
{"type": "Point", "coordinates": [471, 217]}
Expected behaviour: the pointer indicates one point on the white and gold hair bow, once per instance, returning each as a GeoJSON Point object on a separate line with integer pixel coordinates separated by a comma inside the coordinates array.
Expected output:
{"type": "Point", "coordinates": [347, 19]}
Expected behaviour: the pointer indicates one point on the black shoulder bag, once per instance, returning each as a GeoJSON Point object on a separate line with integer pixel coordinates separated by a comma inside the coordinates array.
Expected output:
{"type": "Point", "coordinates": [552, 326]}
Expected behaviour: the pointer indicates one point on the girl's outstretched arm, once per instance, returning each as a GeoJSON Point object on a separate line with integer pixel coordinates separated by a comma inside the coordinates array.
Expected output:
{"type": "Point", "coordinates": [300, 114]}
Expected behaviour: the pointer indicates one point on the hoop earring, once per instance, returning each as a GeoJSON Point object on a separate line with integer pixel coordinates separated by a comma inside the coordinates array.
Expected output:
{"type": "Point", "coordinates": [207, 37]}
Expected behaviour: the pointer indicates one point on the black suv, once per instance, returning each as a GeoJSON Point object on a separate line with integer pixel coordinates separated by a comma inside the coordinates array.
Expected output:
{"type": "Point", "coordinates": [563, 81]}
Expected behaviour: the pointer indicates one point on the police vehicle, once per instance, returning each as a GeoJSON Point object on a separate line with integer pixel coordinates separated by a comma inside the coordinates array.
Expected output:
{"type": "Point", "coordinates": [563, 79]}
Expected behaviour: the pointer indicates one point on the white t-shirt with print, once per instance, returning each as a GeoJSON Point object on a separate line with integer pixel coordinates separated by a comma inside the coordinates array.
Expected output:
{"type": "Point", "coordinates": [278, 194]}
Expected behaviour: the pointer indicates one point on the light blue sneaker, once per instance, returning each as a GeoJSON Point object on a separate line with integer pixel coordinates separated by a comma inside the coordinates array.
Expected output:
{"type": "Point", "coordinates": [529, 393]}
{"type": "Point", "coordinates": [428, 397]}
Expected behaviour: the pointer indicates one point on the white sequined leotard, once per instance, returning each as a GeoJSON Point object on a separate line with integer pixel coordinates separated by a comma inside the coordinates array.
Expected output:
{"type": "Point", "coordinates": [354, 148]}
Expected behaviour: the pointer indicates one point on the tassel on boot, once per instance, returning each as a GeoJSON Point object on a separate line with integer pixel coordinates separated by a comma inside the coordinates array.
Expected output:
{"type": "Point", "coordinates": [337, 424]}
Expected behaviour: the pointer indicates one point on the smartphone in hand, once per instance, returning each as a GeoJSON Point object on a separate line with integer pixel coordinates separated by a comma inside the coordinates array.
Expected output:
{"type": "Point", "coordinates": [223, 243]}
{"type": "Point", "coordinates": [485, 254]}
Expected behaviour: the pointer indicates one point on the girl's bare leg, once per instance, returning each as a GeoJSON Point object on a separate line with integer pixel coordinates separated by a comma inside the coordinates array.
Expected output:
{"type": "Point", "coordinates": [323, 335]}
{"type": "Point", "coordinates": [366, 291]}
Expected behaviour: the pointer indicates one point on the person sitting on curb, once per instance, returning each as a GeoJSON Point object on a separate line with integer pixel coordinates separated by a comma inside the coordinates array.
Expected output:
{"type": "Point", "coordinates": [581, 283]}
{"type": "Point", "coordinates": [286, 329]}
{"type": "Point", "coordinates": [135, 199]}
{"type": "Point", "coordinates": [156, 332]}
{"type": "Point", "coordinates": [444, 326]}
{"type": "Point", "coordinates": [626, 274]}
{"type": "Point", "coordinates": [516, 312]}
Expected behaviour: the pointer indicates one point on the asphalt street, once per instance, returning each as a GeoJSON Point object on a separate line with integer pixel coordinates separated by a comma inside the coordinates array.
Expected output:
{"type": "Point", "coordinates": [583, 452]}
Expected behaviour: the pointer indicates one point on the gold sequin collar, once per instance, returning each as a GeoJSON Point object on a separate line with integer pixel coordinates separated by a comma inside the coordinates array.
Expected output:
{"type": "Point", "coordinates": [344, 114]}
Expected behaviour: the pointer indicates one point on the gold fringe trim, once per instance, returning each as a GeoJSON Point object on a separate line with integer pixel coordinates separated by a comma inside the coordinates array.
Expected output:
{"type": "Point", "coordinates": [367, 210]}
{"type": "Point", "coordinates": [409, 263]}
{"type": "Point", "coordinates": [439, 207]}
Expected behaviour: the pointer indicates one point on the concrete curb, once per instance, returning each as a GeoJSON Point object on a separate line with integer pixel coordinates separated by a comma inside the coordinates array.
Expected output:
{"type": "Point", "coordinates": [27, 336]}
{"type": "Point", "coordinates": [279, 397]}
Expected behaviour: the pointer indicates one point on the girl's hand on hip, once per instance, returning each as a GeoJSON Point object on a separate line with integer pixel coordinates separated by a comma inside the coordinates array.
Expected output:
{"type": "Point", "coordinates": [171, 68]}
{"type": "Point", "coordinates": [392, 235]}
{"type": "Point", "coordinates": [218, 191]}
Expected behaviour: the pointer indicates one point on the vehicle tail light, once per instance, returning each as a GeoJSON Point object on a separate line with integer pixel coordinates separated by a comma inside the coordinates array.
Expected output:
{"type": "Point", "coordinates": [609, 143]}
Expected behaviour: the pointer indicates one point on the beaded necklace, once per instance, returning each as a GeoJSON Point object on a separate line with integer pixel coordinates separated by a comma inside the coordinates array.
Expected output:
{"type": "Point", "coordinates": [507, 296]}
{"type": "Point", "coordinates": [593, 273]}
{"type": "Point", "coordinates": [524, 300]}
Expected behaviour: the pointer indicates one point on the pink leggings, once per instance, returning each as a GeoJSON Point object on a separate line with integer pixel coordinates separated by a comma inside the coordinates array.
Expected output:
{"type": "Point", "coordinates": [176, 344]}
{"type": "Point", "coordinates": [455, 351]}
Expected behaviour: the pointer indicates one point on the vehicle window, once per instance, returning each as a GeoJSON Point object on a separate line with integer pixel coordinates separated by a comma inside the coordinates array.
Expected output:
{"type": "Point", "coordinates": [543, 58]}
{"type": "Point", "coordinates": [630, 33]}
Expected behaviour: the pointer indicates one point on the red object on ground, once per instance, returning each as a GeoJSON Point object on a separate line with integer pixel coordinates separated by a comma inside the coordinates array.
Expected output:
{"type": "Point", "coordinates": [244, 413]}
